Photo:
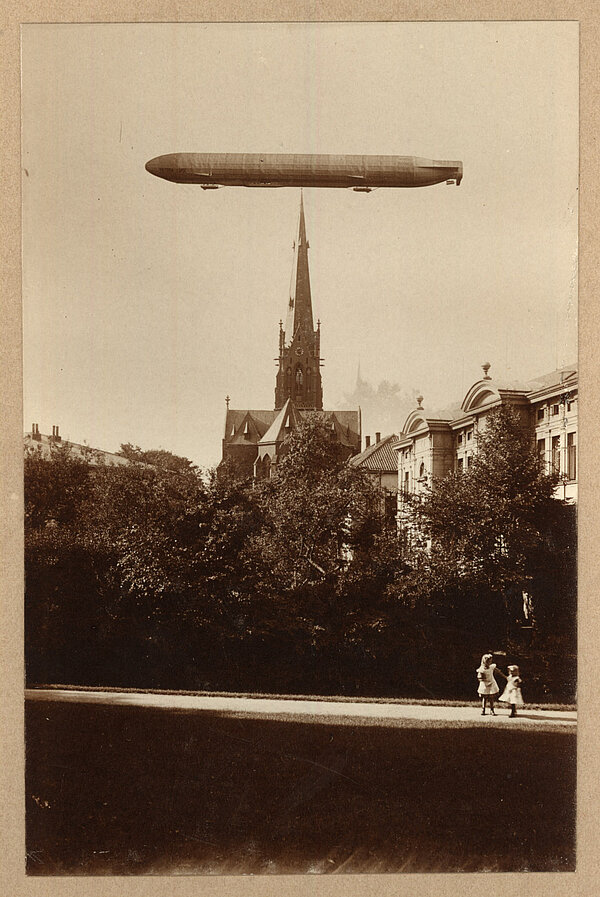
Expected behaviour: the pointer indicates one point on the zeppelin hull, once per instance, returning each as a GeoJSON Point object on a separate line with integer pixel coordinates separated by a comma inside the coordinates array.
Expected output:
{"type": "Point", "coordinates": [271, 170]}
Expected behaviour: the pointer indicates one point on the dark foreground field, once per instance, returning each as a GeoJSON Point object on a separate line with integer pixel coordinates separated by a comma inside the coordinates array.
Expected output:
{"type": "Point", "coordinates": [132, 790]}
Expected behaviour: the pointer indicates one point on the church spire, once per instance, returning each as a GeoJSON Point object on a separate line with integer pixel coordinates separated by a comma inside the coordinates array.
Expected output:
{"type": "Point", "coordinates": [299, 375]}
{"type": "Point", "coordinates": [299, 312]}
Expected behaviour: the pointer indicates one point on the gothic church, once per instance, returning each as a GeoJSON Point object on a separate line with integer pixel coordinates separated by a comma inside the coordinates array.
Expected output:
{"type": "Point", "coordinates": [254, 440]}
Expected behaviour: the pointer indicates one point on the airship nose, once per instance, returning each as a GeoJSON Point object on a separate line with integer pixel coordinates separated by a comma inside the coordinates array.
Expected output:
{"type": "Point", "coordinates": [154, 166]}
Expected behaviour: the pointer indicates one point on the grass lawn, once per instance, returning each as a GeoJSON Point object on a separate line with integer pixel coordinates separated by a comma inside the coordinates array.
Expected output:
{"type": "Point", "coordinates": [136, 790]}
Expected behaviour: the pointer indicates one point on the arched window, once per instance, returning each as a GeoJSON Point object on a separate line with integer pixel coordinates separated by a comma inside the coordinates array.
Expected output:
{"type": "Point", "coordinates": [266, 467]}
{"type": "Point", "coordinates": [288, 380]}
{"type": "Point", "coordinates": [299, 379]}
{"type": "Point", "coordinates": [422, 471]}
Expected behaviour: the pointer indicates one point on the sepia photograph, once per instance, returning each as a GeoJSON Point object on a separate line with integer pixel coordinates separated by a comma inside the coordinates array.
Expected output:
{"type": "Point", "coordinates": [300, 399]}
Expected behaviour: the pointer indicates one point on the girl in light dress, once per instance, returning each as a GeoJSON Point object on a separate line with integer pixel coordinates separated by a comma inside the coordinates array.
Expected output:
{"type": "Point", "coordinates": [512, 693]}
{"type": "Point", "coordinates": [488, 687]}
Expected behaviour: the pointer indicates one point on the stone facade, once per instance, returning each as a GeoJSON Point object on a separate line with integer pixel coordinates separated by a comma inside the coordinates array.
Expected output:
{"type": "Point", "coordinates": [432, 446]}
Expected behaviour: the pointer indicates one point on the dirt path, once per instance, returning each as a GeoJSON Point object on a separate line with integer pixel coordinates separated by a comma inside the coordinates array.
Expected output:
{"type": "Point", "coordinates": [318, 711]}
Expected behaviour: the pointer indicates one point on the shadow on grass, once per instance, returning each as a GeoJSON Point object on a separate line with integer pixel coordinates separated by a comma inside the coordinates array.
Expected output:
{"type": "Point", "coordinates": [137, 790]}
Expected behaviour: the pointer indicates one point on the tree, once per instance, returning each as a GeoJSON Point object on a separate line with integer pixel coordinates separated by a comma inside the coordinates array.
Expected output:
{"type": "Point", "coordinates": [56, 486]}
{"type": "Point", "coordinates": [158, 458]}
{"type": "Point", "coordinates": [314, 559]}
{"type": "Point", "coordinates": [99, 564]}
{"type": "Point", "coordinates": [492, 528]}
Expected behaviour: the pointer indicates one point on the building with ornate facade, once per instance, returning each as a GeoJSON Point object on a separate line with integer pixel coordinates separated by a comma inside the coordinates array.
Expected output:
{"type": "Point", "coordinates": [254, 440]}
{"type": "Point", "coordinates": [434, 445]}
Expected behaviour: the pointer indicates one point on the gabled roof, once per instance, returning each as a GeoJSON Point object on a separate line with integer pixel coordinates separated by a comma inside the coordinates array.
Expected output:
{"type": "Point", "coordinates": [380, 456]}
{"type": "Point", "coordinates": [346, 424]}
{"type": "Point", "coordinates": [287, 420]}
{"type": "Point", "coordinates": [258, 424]}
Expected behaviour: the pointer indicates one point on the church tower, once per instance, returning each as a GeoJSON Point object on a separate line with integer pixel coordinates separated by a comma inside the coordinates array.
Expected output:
{"type": "Point", "coordinates": [254, 441]}
{"type": "Point", "coordinates": [299, 373]}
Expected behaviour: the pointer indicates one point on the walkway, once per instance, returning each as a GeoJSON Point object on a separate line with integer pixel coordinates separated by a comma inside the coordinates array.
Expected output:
{"type": "Point", "coordinates": [315, 710]}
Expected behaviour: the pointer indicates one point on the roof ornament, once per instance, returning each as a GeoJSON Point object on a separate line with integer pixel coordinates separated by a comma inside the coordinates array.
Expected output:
{"type": "Point", "coordinates": [486, 366]}
{"type": "Point", "coordinates": [419, 403]}
{"type": "Point", "coordinates": [227, 401]}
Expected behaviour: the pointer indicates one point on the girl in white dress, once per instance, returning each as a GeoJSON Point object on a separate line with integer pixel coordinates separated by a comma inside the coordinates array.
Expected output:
{"type": "Point", "coordinates": [512, 693]}
{"type": "Point", "coordinates": [488, 687]}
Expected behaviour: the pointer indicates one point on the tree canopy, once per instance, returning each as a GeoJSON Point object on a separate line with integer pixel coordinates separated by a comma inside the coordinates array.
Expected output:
{"type": "Point", "coordinates": [152, 574]}
{"type": "Point", "coordinates": [492, 528]}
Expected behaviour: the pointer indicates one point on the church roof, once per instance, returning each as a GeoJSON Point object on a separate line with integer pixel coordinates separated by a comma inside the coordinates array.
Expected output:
{"type": "Point", "coordinates": [287, 420]}
{"type": "Point", "coordinates": [255, 423]}
{"type": "Point", "coordinates": [345, 423]}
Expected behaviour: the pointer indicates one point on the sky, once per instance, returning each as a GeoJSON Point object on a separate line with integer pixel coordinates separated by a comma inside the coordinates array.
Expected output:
{"type": "Point", "coordinates": [146, 303]}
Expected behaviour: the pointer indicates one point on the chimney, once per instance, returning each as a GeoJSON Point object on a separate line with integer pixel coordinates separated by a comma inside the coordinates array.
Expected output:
{"type": "Point", "coordinates": [55, 436]}
{"type": "Point", "coordinates": [377, 437]}
{"type": "Point", "coordinates": [367, 441]}
{"type": "Point", "coordinates": [35, 433]}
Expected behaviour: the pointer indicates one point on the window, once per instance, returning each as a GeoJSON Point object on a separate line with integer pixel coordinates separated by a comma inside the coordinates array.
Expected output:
{"type": "Point", "coordinates": [460, 465]}
{"type": "Point", "coordinates": [555, 409]}
{"type": "Point", "coordinates": [422, 471]}
{"type": "Point", "coordinates": [405, 483]}
{"type": "Point", "coordinates": [541, 449]}
{"type": "Point", "coordinates": [460, 438]}
{"type": "Point", "coordinates": [469, 435]}
{"type": "Point", "coordinates": [556, 454]}
{"type": "Point", "coordinates": [569, 405]}
{"type": "Point", "coordinates": [572, 456]}
{"type": "Point", "coordinates": [469, 460]}
{"type": "Point", "coordinates": [390, 506]}
{"type": "Point", "coordinates": [540, 413]}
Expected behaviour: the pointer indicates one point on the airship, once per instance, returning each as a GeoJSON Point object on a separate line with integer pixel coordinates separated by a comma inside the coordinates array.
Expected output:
{"type": "Point", "coordinates": [360, 173]}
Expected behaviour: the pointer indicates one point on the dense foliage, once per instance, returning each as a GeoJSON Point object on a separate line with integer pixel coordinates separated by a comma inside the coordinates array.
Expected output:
{"type": "Point", "coordinates": [153, 575]}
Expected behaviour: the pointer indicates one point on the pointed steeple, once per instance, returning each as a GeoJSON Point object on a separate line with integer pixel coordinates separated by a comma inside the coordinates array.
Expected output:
{"type": "Point", "coordinates": [299, 312]}
{"type": "Point", "coordinates": [299, 374]}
